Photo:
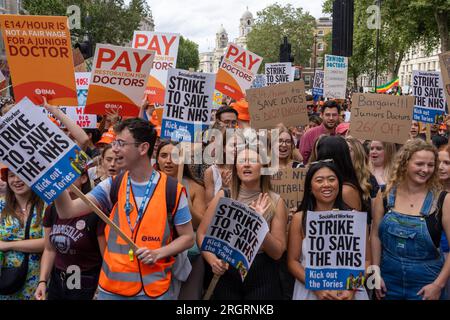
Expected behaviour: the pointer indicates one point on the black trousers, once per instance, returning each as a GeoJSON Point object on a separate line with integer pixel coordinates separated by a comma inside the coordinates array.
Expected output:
{"type": "Point", "coordinates": [262, 282]}
{"type": "Point", "coordinates": [58, 290]}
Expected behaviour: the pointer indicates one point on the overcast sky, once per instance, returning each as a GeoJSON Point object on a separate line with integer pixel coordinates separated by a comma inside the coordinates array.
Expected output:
{"type": "Point", "coordinates": [199, 20]}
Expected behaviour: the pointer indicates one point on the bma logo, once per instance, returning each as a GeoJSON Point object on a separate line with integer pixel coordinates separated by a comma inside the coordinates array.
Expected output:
{"type": "Point", "coordinates": [150, 238]}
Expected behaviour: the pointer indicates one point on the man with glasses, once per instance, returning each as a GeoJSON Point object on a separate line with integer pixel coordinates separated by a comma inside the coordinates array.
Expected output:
{"type": "Point", "coordinates": [145, 204]}
{"type": "Point", "coordinates": [227, 117]}
{"type": "Point", "coordinates": [330, 115]}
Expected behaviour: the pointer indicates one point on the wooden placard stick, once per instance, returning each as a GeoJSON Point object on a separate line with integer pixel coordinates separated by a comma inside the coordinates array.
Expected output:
{"type": "Point", "coordinates": [211, 287]}
{"type": "Point", "coordinates": [103, 216]}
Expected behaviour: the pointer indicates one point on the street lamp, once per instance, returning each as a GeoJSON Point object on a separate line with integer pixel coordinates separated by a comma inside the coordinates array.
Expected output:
{"type": "Point", "coordinates": [315, 55]}
{"type": "Point", "coordinates": [377, 46]}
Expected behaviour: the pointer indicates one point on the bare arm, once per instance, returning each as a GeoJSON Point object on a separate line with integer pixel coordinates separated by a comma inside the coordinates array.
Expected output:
{"type": "Point", "coordinates": [351, 197]}
{"type": "Point", "coordinates": [184, 241]}
{"type": "Point", "coordinates": [275, 241]}
{"type": "Point", "coordinates": [68, 208]}
{"type": "Point", "coordinates": [27, 246]}
{"type": "Point", "coordinates": [198, 206]}
{"type": "Point", "coordinates": [209, 185]}
{"type": "Point", "coordinates": [217, 265]}
{"type": "Point", "coordinates": [46, 266]}
{"type": "Point", "coordinates": [294, 251]}
{"type": "Point", "coordinates": [101, 243]}
{"type": "Point", "coordinates": [375, 241]}
{"type": "Point", "coordinates": [75, 130]}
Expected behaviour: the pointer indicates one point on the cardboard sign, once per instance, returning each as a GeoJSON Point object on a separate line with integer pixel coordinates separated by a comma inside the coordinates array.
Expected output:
{"type": "Point", "coordinates": [335, 76]}
{"type": "Point", "coordinates": [289, 183]}
{"type": "Point", "coordinates": [317, 89]}
{"type": "Point", "coordinates": [335, 250]}
{"type": "Point", "coordinates": [166, 47]}
{"type": "Point", "coordinates": [277, 73]}
{"type": "Point", "coordinates": [444, 61]}
{"type": "Point", "coordinates": [36, 150]}
{"type": "Point", "coordinates": [284, 103]}
{"type": "Point", "coordinates": [187, 110]}
{"type": "Point", "coordinates": [82, 80]}
{"type": "Point", "coordinates": [118, 80]}
{"type": "Point", "coordinates": [430, 97]}
{"type": "Point", "coordinates": [235, 234]}
{"type": "Point", "coordinates": [236, 72]}
{"type": "Point", "coordinates": [40, 59]}
{"type": "Point", "coordinates": [381, 117]}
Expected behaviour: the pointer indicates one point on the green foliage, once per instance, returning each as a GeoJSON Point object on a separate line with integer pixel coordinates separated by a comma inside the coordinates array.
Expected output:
{"type": "Point", "coordinates": [404, 24]}
{"type": "Point", "coordinates": [272, 24]}
{"type": "Point", "coordinates": [188, 56]}
{"type": "Point", "coordinates": [106, 21]}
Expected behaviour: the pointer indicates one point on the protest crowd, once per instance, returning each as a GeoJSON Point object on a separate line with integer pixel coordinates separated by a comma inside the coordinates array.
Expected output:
{"type": "Point", "coordinates": [269, 193]}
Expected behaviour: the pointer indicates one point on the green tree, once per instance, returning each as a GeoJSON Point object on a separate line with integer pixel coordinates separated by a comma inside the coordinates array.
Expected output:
{"type": "Point", "coordinates": [404, 24]}
{"type": "Point", "coordinates": [272, 24]}
{"type": "Point", "coordinates": [188, 56]}
{"type": "Point", "coordinates": [105, 21]}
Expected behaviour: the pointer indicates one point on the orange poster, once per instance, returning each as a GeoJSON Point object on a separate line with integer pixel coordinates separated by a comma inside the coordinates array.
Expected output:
{"type": "Point", "coordinates": [236, 72]}
{"type": "Point", "coordinates": [118, 79]}
{"type": "Point", "coordinates": [40, 59]}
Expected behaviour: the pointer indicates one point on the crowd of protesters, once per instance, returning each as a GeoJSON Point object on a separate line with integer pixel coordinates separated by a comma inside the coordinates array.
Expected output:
{"type": "Point", "coordinates": [133, 177]}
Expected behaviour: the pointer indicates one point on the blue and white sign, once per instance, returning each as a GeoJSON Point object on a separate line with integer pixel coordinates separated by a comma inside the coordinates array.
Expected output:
{"type": "Point", "coordinates": [317, 89]}
{"type": "Point", "coordinates": [235, 234]}
{"type": "Point", "coordinates": [188, 104]}
{"type": "Point", "coordinates": [335, 76]}
{"type": "Point", "coordinates": [429, 96]}
{"type": "Point", "coordinates": [335, 250]}
{"type": "Point", "coordinates": [259, 81]}
{"type": "Point", "coordinates": [33, 147]}
{"type": "Point", "coordinates": [82, 81]}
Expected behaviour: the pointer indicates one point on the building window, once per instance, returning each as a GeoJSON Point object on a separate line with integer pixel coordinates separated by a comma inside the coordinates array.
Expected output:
{"type": "Point", "coordinates": [2, 4]}
{"type": "Point", "coordinates": [320, 33]}
{"type": "Point", "coordinates": [320, 46]}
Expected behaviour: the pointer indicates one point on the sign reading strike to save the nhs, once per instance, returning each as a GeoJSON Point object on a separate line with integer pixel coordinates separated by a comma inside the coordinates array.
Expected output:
{"type": "Point", "coordinates": [34, 148]}
{"type": "Point", "coordinates": [335, 250]}
{"type": "Point", "coordinates": [429, 94]}
{"type": "Point", "coordinates": [189, 98]}
{"type": "Point", "coordinates": [235, 234]}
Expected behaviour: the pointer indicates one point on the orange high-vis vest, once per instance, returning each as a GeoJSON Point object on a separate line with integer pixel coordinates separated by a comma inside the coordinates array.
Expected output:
{"type": "Point", "coordinates": [127, 278]}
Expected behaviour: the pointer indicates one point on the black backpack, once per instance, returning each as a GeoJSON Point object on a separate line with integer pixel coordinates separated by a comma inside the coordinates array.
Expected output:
{"type": "Point", "coordinates": [171, 196]}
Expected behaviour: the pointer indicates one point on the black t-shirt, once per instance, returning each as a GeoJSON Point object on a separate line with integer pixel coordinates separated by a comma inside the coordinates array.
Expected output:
{"type": "Point", "coordinates": [75, 240]}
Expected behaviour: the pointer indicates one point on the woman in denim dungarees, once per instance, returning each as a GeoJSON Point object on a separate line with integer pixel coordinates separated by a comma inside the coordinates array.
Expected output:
{"type": "Point", "coordinates": [412, 267]}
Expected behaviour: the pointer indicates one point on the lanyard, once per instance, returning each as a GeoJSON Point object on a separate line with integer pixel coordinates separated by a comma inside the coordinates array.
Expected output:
{"type": "Point", "coordinates": [149, 189]}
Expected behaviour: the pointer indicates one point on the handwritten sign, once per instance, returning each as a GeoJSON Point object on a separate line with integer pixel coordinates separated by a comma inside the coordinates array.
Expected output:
{"type": "Point", "coordinates": [289, 184]}
{"type": "Point", "coordinates": [283, 103]}
{"type": "Point", "coordinates": [335, 76]}
{"type": "Point", "coordinates": [381, 117]}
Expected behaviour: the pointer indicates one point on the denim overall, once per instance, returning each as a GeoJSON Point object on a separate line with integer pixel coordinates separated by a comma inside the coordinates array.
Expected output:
{"type": "Point", "coordinates": [409, 259]}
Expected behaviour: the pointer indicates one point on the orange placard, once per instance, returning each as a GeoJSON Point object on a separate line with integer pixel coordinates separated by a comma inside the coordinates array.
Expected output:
{"type": "Point", "coordinates": [40, 58]}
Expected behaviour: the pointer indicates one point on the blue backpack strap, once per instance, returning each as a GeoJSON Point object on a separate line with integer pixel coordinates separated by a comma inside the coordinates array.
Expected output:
{"type": "Point", "coordinates": [171, 200]}
{"type": "Point", "coordinates": [115, 185]}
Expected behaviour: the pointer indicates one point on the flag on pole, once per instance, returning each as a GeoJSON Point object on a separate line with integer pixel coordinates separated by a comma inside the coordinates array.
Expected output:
{"type": "Point", "coordinates": [388, 86]}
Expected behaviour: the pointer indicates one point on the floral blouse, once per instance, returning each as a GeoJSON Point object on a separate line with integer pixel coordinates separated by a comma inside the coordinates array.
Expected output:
{"type": "Point", "coordinates": [11, 230]}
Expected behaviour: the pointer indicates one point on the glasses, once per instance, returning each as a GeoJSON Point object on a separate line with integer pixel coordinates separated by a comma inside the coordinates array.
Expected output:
{"type": "Point", "coordinates": [121, 143]}
{"type": "Point", "coordinates": [285, 142]}
{"type": "Point", "coordinates": [322, 161]}
{"type": "Point", "coordinates": [229, 123]}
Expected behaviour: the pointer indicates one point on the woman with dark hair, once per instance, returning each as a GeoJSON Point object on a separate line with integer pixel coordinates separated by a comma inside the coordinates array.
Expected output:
{"type": "Point", "coordinates": [323, 192]}
{"type": "Point", "coordinates": [21, 205]}
{"type": "Point", "coordinates": [192, 288]}
{"type": "Point", "coordinates": [336, 148]}
{"type": "Point", "coordinates": [72, 242]}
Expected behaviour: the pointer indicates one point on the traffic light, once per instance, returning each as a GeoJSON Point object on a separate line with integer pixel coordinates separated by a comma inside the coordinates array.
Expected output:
{"type": "Point", "coordinates": [285, 51]}
{"type": "Point", "coordinates": [86, 48]}
{"type": "Point", "coordinates": [342, 37]}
